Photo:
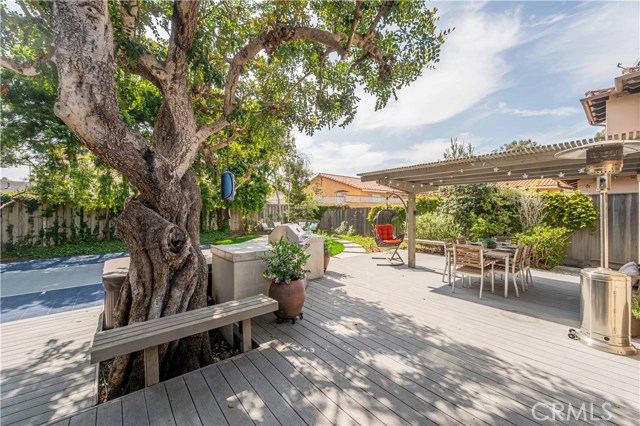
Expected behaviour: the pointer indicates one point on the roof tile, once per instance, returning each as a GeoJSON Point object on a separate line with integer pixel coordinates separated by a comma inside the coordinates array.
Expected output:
{"type": "Point", "coordinates": [356, 183]}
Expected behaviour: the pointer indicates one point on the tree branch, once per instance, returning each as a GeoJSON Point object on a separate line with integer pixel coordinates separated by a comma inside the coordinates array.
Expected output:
{"type": "Point", "coordinates": [356, 18]}
{"type": "Point", "coordinates": [269, 40]}
{"type": "Point", "coordinates": [384, 9]}
{"type": "Point", "coordinates": [129, 15]}
{"type": "Point", "coordinates": [272, 38]}
{"type": "Point", "coordinates": [209, 129]}
{"type": "Point", "coordinates": [24, 8]}
{"type": "Point", "coordinates": [28, 69]}
{"type": "Point", "coordinates": [304, 77]}
{"type": "Point", "coordinates": [87, 101]}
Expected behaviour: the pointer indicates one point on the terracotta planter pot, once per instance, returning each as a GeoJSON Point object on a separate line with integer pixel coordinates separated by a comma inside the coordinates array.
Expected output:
{"type": "Point", "coordinates": [290, 298]}
{"type": "Point", "coordinates": [327, 258]}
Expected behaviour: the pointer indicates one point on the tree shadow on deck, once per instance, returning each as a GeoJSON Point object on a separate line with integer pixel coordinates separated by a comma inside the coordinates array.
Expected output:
{"type": "Point", "coordinates": [379, 363]}
{"type": "Point", "coordinates": [47, 383]}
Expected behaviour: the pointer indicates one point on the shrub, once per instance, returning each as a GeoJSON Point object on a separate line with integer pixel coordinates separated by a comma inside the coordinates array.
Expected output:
{"type": "Point", "coordinates": [307, 210]}
{"type": "Point", "coordinates": [462, 202]}
{"type": "Point", "coordinates": [549, 245]}
{"type": "Point", "coordinates": [427, 203]}
{"type": "Point", "coordinates": [433, 226]}
{"type": "Point", "coordinates": [345, 229]}
{"type": "Point", "coordinates": [573, 211]}
{"type": "Point", "coordinates": [635, 305]}
{"type": "Point", "coordinates": [483, 228]}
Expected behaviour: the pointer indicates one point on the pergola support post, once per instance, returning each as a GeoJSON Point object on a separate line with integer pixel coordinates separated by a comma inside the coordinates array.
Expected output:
{"type": "Point", "coordinates": [411, 229]}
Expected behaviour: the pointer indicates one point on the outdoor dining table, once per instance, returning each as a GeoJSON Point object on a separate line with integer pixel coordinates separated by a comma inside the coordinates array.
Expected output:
{"type": "Point", "coordinates": [502, 254]}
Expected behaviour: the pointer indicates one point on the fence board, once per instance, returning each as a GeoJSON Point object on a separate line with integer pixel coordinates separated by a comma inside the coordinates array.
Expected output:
{"type": "Point", "coordinates": [356, 217]}
{"type": "Point", "coordinates": [623, 234]}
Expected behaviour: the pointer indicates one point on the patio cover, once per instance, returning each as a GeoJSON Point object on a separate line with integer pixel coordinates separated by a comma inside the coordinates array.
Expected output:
{"type": "Point", "coordinates": [529, 163]}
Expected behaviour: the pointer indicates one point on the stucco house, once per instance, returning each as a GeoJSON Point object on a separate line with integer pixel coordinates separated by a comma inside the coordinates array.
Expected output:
{"type": "Point", "coordinates": [618, 109]}
{"type": "Point", "coordinates": [12, 185]}
{"type": "Point", "coordinates": [540, 185]}
{"type": "Point", "coordinates": [331, 190]}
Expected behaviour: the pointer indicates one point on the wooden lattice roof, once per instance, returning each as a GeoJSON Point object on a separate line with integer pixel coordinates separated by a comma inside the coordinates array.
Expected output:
{"type": "Point", "coordinates": [537, 162]}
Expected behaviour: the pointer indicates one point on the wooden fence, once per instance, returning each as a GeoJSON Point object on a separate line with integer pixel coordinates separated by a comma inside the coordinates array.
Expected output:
{"type": "Point", "coordinates": [45, 225]}
{"type": "Point", "coordinates": [623, 234]}
{"type": "Point", "coordinates": [356, 217]}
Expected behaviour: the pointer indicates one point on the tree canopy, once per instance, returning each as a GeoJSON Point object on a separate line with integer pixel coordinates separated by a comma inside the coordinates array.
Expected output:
{"type": "Point", "coordinates": [230, 75]}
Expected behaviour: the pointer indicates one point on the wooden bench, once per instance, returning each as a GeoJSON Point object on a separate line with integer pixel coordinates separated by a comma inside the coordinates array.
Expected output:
{"type": "Point", "coordinates": [149, 335]}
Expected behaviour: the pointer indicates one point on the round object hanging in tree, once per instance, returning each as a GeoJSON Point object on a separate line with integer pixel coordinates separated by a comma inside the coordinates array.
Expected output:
{"type": "Point", "coordinates": [228, 190]}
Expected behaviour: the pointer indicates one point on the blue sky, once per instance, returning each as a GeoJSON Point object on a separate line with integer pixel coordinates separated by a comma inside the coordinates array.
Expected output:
{"type": "Point", "coordinates": [509, 70]}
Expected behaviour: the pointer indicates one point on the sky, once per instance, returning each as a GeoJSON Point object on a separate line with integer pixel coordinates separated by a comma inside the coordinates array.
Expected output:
{"type": "Point", "coordinates": [508, 71]}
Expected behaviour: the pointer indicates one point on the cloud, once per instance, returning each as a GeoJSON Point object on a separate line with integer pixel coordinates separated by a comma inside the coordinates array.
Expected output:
{"type": "Point", "coordinates": [553, 112]}
{"type": "Point", "coordinates": [353, 157]}
{"type": "Point", "coordinates": [546, 21]}
{"type": "Point", "coordinates": [472, 67]}
{"type": "Point", "coordinates": [588, 45]}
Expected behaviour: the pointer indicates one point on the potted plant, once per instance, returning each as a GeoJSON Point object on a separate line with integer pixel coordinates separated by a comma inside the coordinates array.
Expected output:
{"type": "Point", "coordinates": [285, 268]}
{"type": "Point", "coordinates": [328, 244]}
{"type": "Point", "coordinates": [635, 315]}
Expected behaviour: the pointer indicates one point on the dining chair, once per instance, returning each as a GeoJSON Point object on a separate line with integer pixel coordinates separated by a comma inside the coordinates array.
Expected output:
{"type": "Point", "coordinates": [526, 264]}
{"type": "Point", "coordinates": [461, 240]}
{"type": "Point", "coordinates": [515, 268]}
{"type": "Point", "coordinates": [448, 253]}
{"type": "Point", "coordinates": [469, 260]}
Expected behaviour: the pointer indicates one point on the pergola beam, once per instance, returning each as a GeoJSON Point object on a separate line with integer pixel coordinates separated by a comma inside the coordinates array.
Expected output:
{"type": "Point", "coordinates": [535, 163]}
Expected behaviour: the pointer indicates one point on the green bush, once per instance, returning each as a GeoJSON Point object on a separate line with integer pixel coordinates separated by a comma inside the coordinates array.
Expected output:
{"type": "Point", "coordinates": [549, 245]}
{"type": "Point", "coordinates": [635, 305]}
{"type": "Point", "coordinates": [466, 203]}
{"type": "Point", "coordinates": [427, 203]}
{"type": "Point", "coordinates": [345, 229]}
{"type": "Point", "coordinates": [571, 211]}
{"type": "Point", "coordinates": [433, 226]}
{"type": "Point", "coordinates": [483, 228]}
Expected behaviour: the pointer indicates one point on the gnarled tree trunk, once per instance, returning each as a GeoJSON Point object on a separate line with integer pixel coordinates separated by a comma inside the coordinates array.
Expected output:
{"type": "Point", "coordinates": [168, 274]}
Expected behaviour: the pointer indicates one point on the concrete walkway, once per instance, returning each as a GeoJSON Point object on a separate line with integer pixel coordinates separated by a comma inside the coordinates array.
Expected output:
{"type": "Point", "coordinates": [350, 249]}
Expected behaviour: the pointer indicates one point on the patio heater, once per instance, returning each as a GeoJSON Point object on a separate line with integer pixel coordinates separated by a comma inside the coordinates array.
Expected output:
{"type": "Point", "coordinates": [605, 294]}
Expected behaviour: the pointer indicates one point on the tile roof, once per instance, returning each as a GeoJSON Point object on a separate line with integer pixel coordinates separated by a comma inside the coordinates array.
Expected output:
{"type": "Point", "coordinates": [356, 182]}
{"type": "Point", "coordinates": [535, 183]}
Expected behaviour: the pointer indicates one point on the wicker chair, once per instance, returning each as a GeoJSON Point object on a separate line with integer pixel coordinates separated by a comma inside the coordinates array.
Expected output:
{"type": "Point", "coordinates": [383, 232]}
{"type": "Point", "coordinates": [469, 260]}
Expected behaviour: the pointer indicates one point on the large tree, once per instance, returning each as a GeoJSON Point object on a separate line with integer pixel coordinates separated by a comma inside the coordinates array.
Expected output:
{"type": "Point", "coordinates": [222, 66]}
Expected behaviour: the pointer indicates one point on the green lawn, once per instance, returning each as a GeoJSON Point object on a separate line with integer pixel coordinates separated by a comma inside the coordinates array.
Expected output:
{"type": "Point", "coordinates": [336, 248]}
{"type": "Point", "coordinates": [102, 247]}
{"type": "Point", "coordinates": [368, 243]}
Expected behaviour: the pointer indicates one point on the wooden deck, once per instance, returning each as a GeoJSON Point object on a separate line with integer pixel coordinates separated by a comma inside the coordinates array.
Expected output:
{"type": "Point", "coordinates": [389, 345]}
{"type": "Point", "coordinates": [45, 367]}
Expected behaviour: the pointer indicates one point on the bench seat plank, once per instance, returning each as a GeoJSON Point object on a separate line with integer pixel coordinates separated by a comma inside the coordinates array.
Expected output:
{"type": "Point", "coordinates": [183, 318]}
{"type": "Point", "coordinates": [135, 337]}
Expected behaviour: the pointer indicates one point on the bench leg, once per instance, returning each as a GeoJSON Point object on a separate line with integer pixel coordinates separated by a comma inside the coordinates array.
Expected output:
{"type": "Point", "coordinates": [151, 366]}
{"type": "Point", "coordinates": [246, 335]}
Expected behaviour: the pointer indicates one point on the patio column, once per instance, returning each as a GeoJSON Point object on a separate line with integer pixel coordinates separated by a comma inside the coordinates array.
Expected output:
{"type": "Point", "coordinates": [411, 229]}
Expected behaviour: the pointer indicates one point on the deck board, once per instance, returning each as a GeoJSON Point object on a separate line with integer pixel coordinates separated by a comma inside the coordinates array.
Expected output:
{"type": "Point", "coordinates": [46, 373]}
{"type": "Point", "coordinates": [390, 345]}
